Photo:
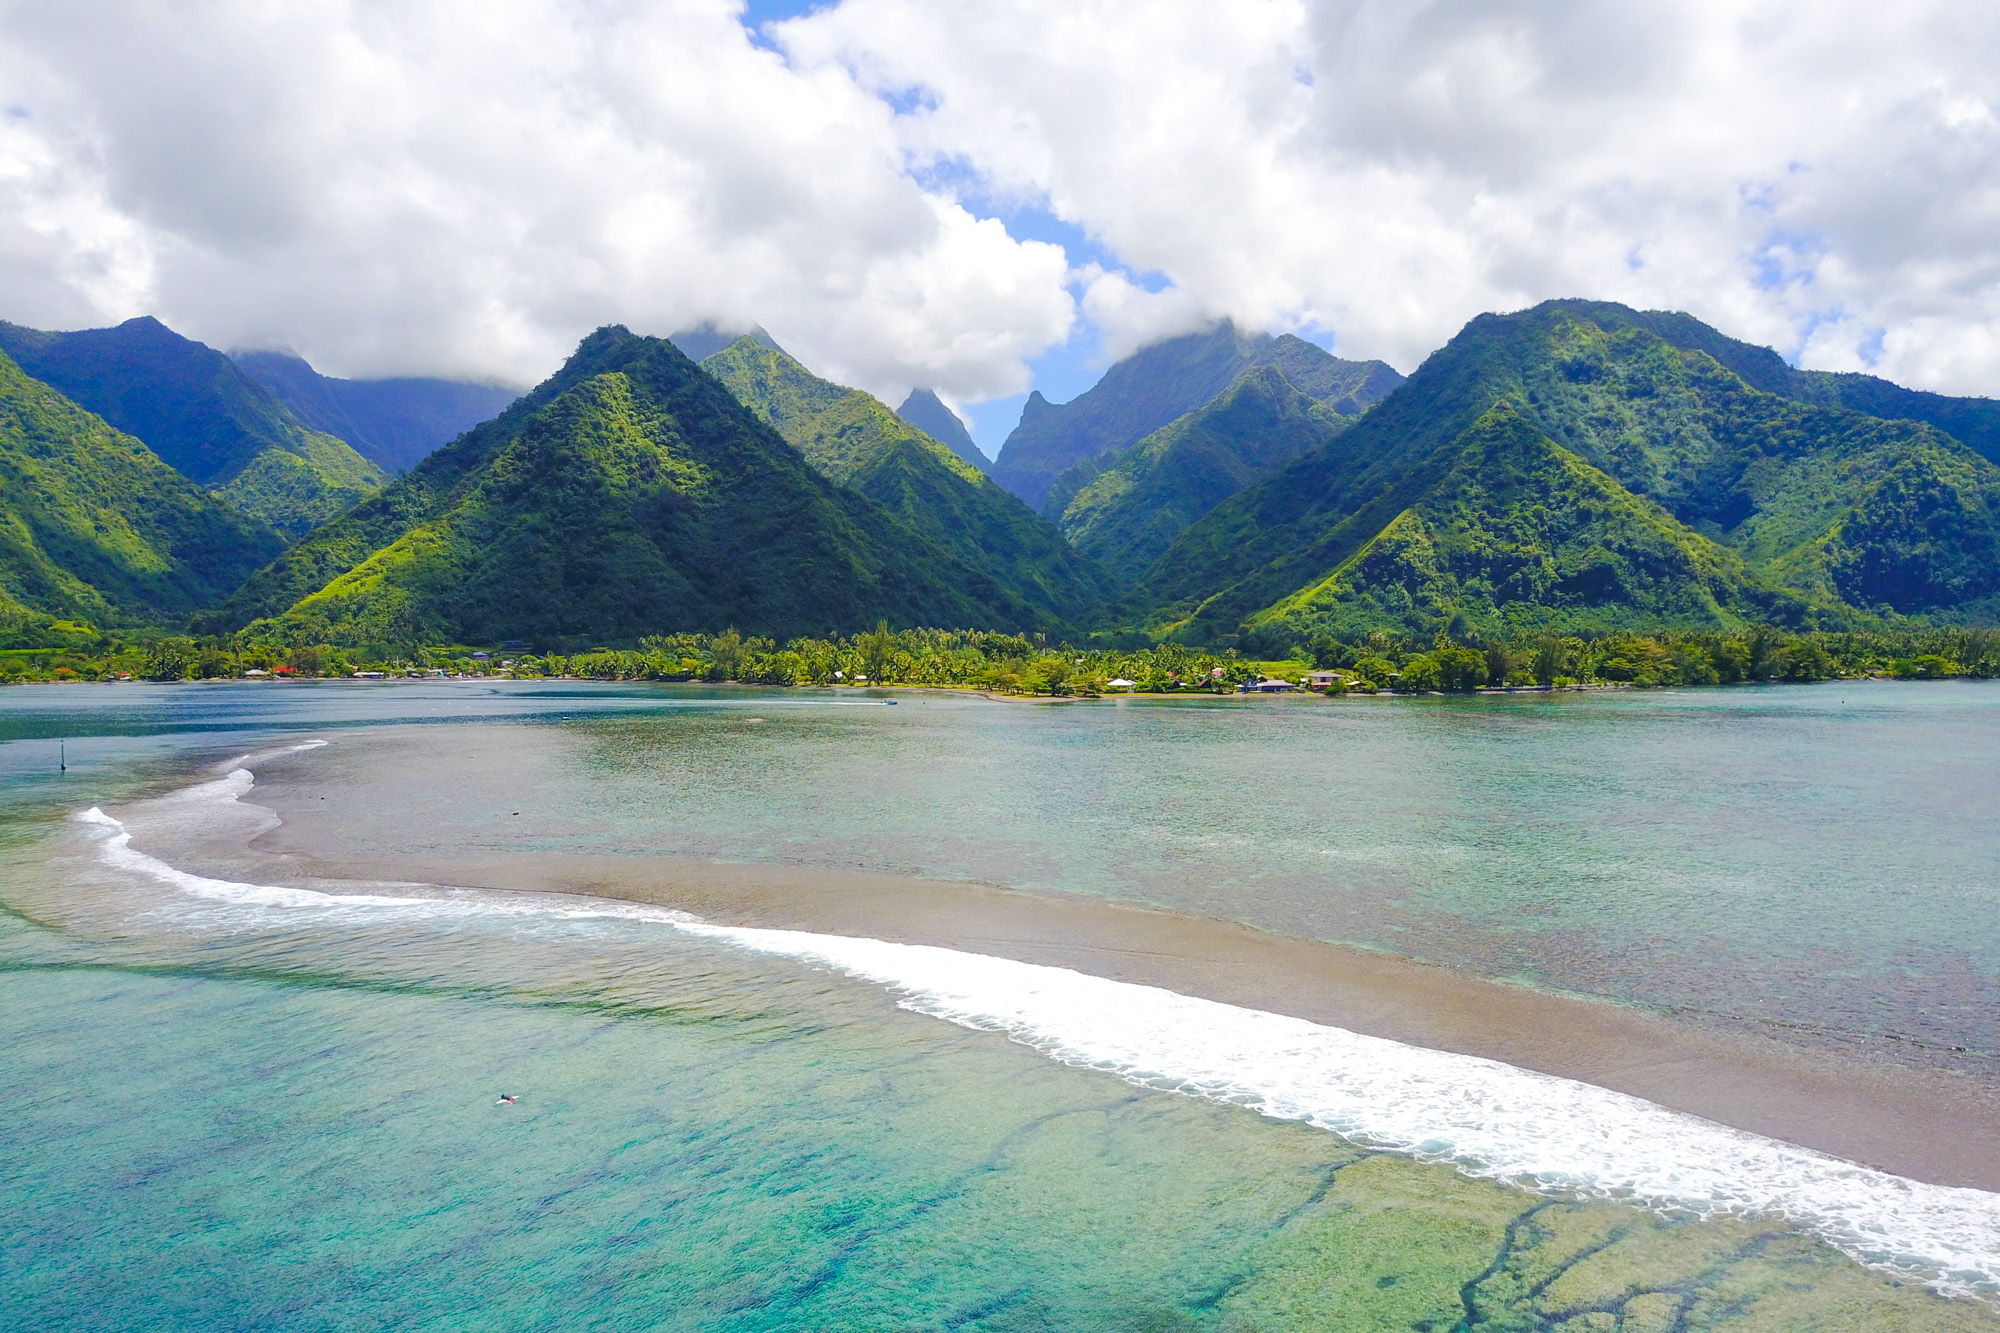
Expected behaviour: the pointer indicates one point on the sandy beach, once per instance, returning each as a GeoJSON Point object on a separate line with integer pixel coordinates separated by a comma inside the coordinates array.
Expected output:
{"type": "Point", "coordinates": [1932, 1126]}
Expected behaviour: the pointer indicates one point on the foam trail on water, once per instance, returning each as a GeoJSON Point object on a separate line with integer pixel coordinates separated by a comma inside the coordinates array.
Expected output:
{"type": "Point", "coordinates": [116, 850]}
{"type": "Point", "coordinates": [1486, 1118]}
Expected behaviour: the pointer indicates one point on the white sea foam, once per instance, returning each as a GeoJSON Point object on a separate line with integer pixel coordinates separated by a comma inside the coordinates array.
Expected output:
{"type": "Point", "coordinates": [1486, 1118]}
{"type": "Point", "coordinates": [273, 903]}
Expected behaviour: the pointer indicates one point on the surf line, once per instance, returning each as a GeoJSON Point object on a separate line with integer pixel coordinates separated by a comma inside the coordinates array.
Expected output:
{"type": "Point", "coordinates": [1485, 1118]}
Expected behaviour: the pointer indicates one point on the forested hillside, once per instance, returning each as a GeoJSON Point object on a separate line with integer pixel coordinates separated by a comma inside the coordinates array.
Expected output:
{"type": "Point", "coordinates": [391, 422]}
{"type": "Point", "coordinates": [1155, 386]}
{"type": "Point", "coordinates": [1974, 422]}
{"type": "Point", "coordinates": [854, 440]}
{"type": "Point", "coordinates": [628, 494]}
{"type": "Point", "coordinates": [94, 527]}
{"type": "Point", "coordinates": [203, 416]}
{"type": "Point", "coordinates": [1520, 534]}
{"type": "Point", "coordinates": [1848, 512]}
{"type": "Point", "coordinates": [1574, 469]}
{"type": "Point", "coordinates": [1145, 497]}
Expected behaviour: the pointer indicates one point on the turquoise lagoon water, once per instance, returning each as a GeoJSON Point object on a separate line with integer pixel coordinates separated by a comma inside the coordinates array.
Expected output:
{"type": "Point", "coordinates": [230, 1108]}
{"type": "Point", "coordinates": [1818, 862]}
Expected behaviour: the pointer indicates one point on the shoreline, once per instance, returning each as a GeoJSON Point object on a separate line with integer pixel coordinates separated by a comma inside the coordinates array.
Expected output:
{"type": "Point", "coordinates": [1927, 1125]}
{"type": "Point", "coordinates": [969, 692]}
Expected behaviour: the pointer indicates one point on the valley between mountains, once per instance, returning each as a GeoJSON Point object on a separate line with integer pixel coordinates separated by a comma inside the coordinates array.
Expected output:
{"type": "Point", "coordinates": [1577, 469]}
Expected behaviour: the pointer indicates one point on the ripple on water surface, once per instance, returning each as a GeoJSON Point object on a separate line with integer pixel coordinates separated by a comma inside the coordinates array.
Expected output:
{"type": "Point", "coordinates": [234, 1110]}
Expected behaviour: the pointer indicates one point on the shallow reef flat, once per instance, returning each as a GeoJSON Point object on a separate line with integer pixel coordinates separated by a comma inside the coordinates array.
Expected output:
{"type": "Point", "coordinates": [280, 994]}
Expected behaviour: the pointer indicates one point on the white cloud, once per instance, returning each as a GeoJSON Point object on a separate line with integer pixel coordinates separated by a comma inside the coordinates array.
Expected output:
{"type": "Point", "coordinates": [465, 187]}
{"type": "Point", "coordinates": [1385, 169]}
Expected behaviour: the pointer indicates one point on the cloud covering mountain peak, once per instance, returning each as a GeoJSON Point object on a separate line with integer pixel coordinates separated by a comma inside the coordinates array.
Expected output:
{"type": "Point", "coordinates": [443, 187]}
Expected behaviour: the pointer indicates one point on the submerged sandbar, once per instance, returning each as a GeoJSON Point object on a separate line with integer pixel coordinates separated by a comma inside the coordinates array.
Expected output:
{"type": "Point", "coordinates": [1928, 1125]}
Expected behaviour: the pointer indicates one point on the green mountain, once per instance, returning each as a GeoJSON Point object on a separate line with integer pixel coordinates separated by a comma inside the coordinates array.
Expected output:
{"type": "Point", "coordinates": [1156, 386]}
{"type": "Point", "coordinates": [1973, 422]}
{"type": "Point", "coordinates": [1845, 509]}
{"type": "Point", "coordinates": [854, 440]}
{"type": "Point", "coordinates": [927, 412]}
{"type": "Point", "coordinates": [1131, 512]}
{"type": "Point", "coordinates": [94, 527]}
{"type": "Point", "coordinates": [1519, 533]}
{"type": "Point", "coordinates": [630, 494]}
{"type": "Point", "coordinates": [392, 423]}
{"type": "Point", "coordinates": [208, 420]}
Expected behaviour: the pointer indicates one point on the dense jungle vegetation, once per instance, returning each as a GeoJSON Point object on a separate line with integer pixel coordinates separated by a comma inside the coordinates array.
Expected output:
{"type": "Point", "coordinates": [203, 417]}
{"type": "Point", "coordinates": [1031, 665]}
{"type": "Point", "coordinates": [1679, 494]}
{"type": "Point", "coordinates": [1574, 495]}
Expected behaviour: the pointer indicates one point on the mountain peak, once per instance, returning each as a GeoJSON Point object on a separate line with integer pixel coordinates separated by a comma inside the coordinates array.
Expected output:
{"type": "Point", "coordinates": [1128, 513]}
{"type": "Point", "coordinates": [203, 416]}
{"type": "Point", "coordinates": [1160, 383]}
{"type": "Point", "coordinates": [928, 413]}
{"type": "Point", "coordinates": [632, 494]}
{"type": "Point", "coordinates": [854, 440]}
{"type": "Point", "coordinates": [1607, 468]}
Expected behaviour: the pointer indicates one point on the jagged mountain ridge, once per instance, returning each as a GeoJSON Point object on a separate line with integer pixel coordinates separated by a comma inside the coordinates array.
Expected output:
{"type": "Point", "coordinates": [392, 423]}
{"type": "Point", "coordinates": [705, 340]}
{"type": "Point", "coordinates": [927, 412]}
{"type": "Point", "coordinates": [852, 438]}
{"type": "Point", "coordinates": [95, 527]}
{"type": "Point", "coordinates": [1800, 496]}
{"type": "Point", "coordinates": [200, 414]}
{"type": "Point", "coordinates": [1973, 422]}
{"type": "Point", "coordinates": [1131, 512]}
{"type": "Point", "coordinates": [1797, 490]}
{"type": "Point", "coordinates": [1154, 387]}
{"type": "Point", "coordinates": [629, 494]}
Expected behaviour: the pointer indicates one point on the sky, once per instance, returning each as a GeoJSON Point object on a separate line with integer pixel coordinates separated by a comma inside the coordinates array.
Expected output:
{"type": "Point", "coordinates": [990, 196]}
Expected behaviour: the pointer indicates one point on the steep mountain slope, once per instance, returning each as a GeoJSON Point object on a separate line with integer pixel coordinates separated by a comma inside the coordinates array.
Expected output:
{"type": "Point", "coordinates": [93, 526]}
{"type": "Point", "coordinates": [857, 442]}
{"type": "Point", "coordinates": [203, 416]}
{"type": "Point", "coordinates": [1157, 385]}
{"type": "Point", "coordinates": [1973, 422]}
{"type": "Point", "coordinates": [392, 423]}
{"type": "Point", "coordinates": [1829, 502]}
{"type": "Point", "coordinates": [927, 412]}
{"type": "Point", "coordinates": [629, 494]}
{"type": "Point", "coordinates": [1131, 512]}
{"type": "Point", "coordinates": [1519, 533]}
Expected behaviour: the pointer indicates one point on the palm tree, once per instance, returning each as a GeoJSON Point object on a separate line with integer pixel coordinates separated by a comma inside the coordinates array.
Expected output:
{"type": "Point", "coordinates": [878, 648]}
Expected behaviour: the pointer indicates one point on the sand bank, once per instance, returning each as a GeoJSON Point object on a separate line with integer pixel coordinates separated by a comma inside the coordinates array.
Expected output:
{"type": "Point", "coordinates": [1931, 1126]}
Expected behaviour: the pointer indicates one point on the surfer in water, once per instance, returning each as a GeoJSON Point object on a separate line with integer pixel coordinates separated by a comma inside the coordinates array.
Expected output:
{"type": "Point", "coordinates": [507, 1099]}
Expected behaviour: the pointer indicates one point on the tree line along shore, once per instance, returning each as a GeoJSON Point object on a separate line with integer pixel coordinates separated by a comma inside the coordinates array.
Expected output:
{"type": "Point", "coordinates": [1578, 493]}
{"type": "Point", "coordinates": [1030, 665]}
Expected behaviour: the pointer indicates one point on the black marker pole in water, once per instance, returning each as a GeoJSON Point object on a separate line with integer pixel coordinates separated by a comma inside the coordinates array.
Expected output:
{"type": "Point", "coordinates": [62, 756]}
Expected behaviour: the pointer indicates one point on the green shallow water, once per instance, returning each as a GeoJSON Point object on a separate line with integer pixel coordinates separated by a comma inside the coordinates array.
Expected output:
{"type": "Point", "coordinates": [253, 1144]}
{"type": "Point", "coordinates": [1817, 863]}
{"type": "Point", "coordinates": [221, 1119]}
